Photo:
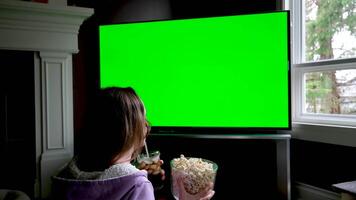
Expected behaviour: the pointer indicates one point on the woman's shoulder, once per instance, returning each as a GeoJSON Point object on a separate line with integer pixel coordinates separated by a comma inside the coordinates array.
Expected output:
{"type": "Point", "coordinates": [133, 186]}
{"type": "Point", "coordinates": [120, 170]}
{"type": "Point", "coordinates": [143, 189]}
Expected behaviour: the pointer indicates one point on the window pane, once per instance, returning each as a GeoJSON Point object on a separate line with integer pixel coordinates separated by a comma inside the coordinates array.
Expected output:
{"type": "Point", "coordinates": [330, 92]}
{"type": "Point", "coordinates": [330, 29]}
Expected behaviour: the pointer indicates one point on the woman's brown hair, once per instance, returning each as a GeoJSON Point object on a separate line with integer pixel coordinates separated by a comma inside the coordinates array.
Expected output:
{"type": "Point", "coordinates": [115, 124]}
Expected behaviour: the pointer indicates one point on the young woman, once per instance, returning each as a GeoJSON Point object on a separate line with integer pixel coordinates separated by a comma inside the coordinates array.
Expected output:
{"type": "Point", "coordinates": [115, 132]}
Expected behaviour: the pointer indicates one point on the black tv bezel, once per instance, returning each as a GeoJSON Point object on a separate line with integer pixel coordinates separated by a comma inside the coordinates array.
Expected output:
{"type": "Point", "coordinates": [221, 130]}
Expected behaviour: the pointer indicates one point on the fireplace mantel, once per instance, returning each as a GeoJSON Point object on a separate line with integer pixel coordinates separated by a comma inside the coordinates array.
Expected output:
{"type": "Point", "coordinates": [51, 32]}
{"type": "Point", "coordinates": [40, 27]}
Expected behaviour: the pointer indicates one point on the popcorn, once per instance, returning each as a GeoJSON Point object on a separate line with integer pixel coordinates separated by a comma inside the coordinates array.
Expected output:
{"type": "Point", "coordinates": [197, 173]}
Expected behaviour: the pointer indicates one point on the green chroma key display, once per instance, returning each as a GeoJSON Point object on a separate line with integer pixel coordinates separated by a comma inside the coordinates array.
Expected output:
{"type": "Point", "coordinates": [230, 71]}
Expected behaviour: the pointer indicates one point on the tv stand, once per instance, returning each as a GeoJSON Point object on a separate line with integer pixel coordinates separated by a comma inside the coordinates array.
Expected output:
{"type": "Point", "coordinates": [262, 160]}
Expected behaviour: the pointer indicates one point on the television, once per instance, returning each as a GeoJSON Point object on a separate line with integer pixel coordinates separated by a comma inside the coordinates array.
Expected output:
{"type": "Point", "coordinates": [225, 74]}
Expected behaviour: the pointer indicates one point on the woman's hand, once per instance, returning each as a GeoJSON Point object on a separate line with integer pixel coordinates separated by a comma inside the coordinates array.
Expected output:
{"type": "Point", "coordinates": [205, 194]}
{"type": "Point", "coordinates": [153, 168]}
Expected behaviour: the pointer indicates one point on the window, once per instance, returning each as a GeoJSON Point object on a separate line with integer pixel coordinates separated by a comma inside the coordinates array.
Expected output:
{"type": "Point", "coordinates": [330, 31]}
{"type": "Point", "coordinates": [330, 92]}
{"type": "Point", "coordinates": [324, 61]}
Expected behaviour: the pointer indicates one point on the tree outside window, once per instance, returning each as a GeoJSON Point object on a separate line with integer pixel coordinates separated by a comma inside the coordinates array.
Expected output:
{"type": "Point", "coordinates": [330, 31]}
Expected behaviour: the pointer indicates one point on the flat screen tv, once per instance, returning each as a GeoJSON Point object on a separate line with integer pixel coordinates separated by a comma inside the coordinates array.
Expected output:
{"type": "Point", "coordinates": [226, 74]}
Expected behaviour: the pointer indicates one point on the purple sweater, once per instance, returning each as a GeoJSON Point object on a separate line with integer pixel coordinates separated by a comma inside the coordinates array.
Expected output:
{"type": "Point", "coordinates": [134, 186]}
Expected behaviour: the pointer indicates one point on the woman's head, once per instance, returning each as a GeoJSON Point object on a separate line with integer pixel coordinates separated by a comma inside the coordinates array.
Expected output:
{"type": "Point", "coordinates": [117, 124]}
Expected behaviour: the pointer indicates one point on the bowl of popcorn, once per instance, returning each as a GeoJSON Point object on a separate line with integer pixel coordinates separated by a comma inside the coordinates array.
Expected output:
{"type": "Point", "coordinates": [195, 173]}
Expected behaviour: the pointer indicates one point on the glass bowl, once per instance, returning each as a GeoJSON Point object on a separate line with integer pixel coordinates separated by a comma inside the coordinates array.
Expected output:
{"type": "Point", "coordinates": [195, 173]}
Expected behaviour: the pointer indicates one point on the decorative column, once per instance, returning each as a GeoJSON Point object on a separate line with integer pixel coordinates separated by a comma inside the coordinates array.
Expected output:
{"type": "Point", "coordinates": [56, 110]}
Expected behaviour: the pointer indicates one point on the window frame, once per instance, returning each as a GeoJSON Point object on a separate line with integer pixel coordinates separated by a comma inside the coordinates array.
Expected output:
{"type": "Point", "coordinates": [300, 67]}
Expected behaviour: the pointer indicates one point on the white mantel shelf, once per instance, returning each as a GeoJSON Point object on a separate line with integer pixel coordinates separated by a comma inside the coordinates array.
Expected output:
{"type": "Point", "coordinates": [50, 31]}
{"type": "Point", "coordinates": [40, 27]}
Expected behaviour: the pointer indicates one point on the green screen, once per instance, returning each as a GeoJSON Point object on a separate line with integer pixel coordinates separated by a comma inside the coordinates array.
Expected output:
{"type": "Point", "coordinates": [229, 71]}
